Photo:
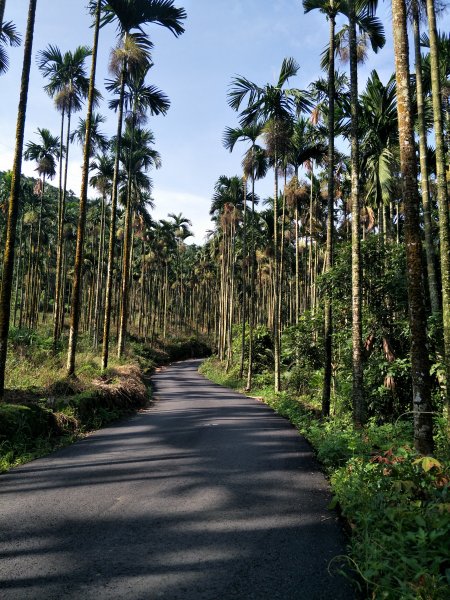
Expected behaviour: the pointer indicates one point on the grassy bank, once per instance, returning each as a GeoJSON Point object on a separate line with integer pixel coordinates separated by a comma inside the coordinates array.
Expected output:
{"type": "Point", "coordinates": [396, 503]}
{"type": "Point", "coordinates": [44, 410]}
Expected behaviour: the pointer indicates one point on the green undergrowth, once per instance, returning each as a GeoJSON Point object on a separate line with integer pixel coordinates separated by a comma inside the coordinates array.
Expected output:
{"type": "Point", "coordinates": [395, 502]}
{"type": "Point", "coordinates": [44, 409]}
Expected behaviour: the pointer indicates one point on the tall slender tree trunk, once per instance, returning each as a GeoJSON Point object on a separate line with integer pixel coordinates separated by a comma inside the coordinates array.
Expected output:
{"type": "Point", "coordinates": [423, 424]}
{"type": "Point", "coordinates": [252, 284]}
{"type": "Point", "coordinates": [112, 228]}
{"type": "Point", "coordinates": [244, 278]}
{"type": "Point", "coordinates": [328, 316]}
{"type": "Point", "coordinates": [429, 248]}
{"type": "Point", "coordinates": [311, 241]}
{"type": "Point", "coordinates": [442, 193]}
{"type": "Point", "coordinates": [281, 262]}
{"type": "Point", "coordinates": [77, 276]}
{"type": "Point", "coordinates": [13, 207]}
{"type": "Point", "coordinates": [2, 12]}
{"type": "Point", "coordinates": [60, 236]}
{"type": "Point", "coordinates": [36, 267]}
{"type": "Point", "coordinates": [19, 272]}
{"type": "Point", "coordinates": [126, 264]}
{"type": "Point", "coordinates": [359, 408]}
{"type": "Point", "coordinates": [275, 296]}
{"type": "Point", "coordinates": [99, 283]}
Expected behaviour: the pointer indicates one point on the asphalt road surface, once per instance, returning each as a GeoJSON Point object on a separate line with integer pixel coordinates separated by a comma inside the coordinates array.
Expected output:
{"type": "Point", "coordinates": [206, 495]}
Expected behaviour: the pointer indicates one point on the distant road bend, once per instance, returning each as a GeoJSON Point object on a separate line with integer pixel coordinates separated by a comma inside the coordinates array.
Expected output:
{"type": "Point", "coordinates": [207, 495]}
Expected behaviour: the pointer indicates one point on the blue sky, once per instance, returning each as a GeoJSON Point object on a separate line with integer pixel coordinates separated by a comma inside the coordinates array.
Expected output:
{"type": "Point", "coordinates": [223, 38]}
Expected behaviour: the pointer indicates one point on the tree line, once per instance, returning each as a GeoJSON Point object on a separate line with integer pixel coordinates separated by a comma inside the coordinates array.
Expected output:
{"type": "Point", "coordinates": [75, 268]}
{"type": "Point", "coordinates": [385, 200]}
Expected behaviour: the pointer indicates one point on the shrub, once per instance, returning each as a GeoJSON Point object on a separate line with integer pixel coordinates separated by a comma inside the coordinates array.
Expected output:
{"type": "Point", "coordinates": [19, 423]}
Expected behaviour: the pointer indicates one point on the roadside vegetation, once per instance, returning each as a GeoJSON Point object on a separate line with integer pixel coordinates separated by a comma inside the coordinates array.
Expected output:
{"type": "Point", "coordinates": [395, 502]}
{"type": "Point", "coordinates": [44, 409]}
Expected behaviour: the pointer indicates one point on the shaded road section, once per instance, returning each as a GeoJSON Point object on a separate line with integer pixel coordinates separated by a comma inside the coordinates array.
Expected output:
{"type": "Point", "coordinates": [207, 495]}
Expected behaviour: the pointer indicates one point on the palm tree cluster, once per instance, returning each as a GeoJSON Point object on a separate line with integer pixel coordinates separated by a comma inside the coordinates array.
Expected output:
{"type": "Point", "coordinates": [70, 264]}
{"type": "Point", "coordinates": [283, 264]}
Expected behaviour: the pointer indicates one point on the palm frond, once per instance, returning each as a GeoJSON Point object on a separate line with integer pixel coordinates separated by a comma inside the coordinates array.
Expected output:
{"type": "Point", "coordinates": [240, 88]}
{"type": "Point", "coordinates": [289, 68]}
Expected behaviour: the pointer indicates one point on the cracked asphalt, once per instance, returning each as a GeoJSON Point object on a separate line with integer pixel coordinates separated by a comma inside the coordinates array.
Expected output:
{"type": "Point", "coordinates": [206, 495]}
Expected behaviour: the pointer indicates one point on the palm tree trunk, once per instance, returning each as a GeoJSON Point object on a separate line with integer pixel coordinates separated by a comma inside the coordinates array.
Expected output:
{"type": "Point", "coordinates": [77, 276]}
{"type": "Point", "coordinates": [19, 275]}
{"type": "Point", "coordinates": [281, 262]}
{"type": "Point", "coordinates": [359, 408]}
{"type": "Point", "coordinates": [311, 242]}
{"type": "Point", "coordinates": [244, 279]}
{"type": "Point", "coordinates": [276, 335]}
{"type": "Point", "coordinates": [126, 259]}
{"type": "Point", "coordinates": [112, 228]}
{"type": "Point", "coordinates": [423, 424]}
{"type": "Point", "coordinates": [60, 240]}
{"type": "Point", "coordinates": [13, 207]}
{"type": "Point", "coordinates": [252, 286]}
{"type": "Point", "coordinates": [26, 292]}
{"type": "Point", "coordinates": [328, 316]}
{"type": "Point", "coordinates": [442, 194]}
{"type": "Point", "coordinates": [35, 269]}
{"type": "Point", "coordinates": [2, 12]}
{"type": "Point", "coordinates": [429, 248]}
{"type": "Point", "coordinates": [99, 283]}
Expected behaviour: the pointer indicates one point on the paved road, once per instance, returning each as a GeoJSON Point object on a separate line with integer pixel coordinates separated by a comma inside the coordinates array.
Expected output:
{"type": "Point", "coordinates": [207, 495]}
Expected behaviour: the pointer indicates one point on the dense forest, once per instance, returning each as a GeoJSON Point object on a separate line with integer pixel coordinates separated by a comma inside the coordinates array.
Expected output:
{"type": "Point", "coordinates": [335, 290]}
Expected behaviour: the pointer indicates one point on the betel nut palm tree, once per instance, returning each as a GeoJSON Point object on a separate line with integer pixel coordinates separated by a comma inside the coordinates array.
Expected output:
{"type": "Point", "coordinates": [373, 29]}
{"type": "Point", "coordinates": [68, 85]}
{"type": "Point", "coordinates": [275, 105]}
{"type": "Point", "coordinates": [139, 99]}
{"type": "Point", "coordinates": [130, 17]}
{"type": "Point", "coordinates": [330, 8]}
{"type": "Point", "coordinates": [423, 425]}
{"type": "Point", "coordinates": [95, 8]}
{"type": "Point", "coordinates": [433, 290]}
{"type": "Point", "coordinates": [254, 169]}
{"type": "Point", "coordinates": [45, 153]}
{"type": "Point", "coordinates": [442, 190]}
{"type": "Point", "coordinates": [138, 157]}
{"type": "Point", "coordinates": [102, 168]}
{"type": "Point", "coordinates": [13, 206]}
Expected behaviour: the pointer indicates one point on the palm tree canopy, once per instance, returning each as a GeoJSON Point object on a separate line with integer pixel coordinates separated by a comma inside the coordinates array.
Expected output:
{"type": "Point", "coordinates": [44, 153]}
{"type": "Point", "coordinates": [132, 15]}
{"type": "Point", "coordinates": [68, 81]}
{"type": "Point", "coordinates": [255, 164]}
{"type": "Point", "coordinates": [378, 116]}
{"type": "Point", "coordinates": [227, 191]}
{"type": "Point", "coordinates": [270, 101]}
{"type": "Point", "coordinates": [8, 36]}
{"type": "Point", "coordinates": [248, 133]}
{"type": "Point", "coordinates": [444, 63]}
{"type": "Point", "coordinates": [99, 141]}
{"type": "Point", "coordinates": [304, 144]}
{"type": "Point", "coordinates": [331, 9]}
{"type": "Point", "coordinates": [181, 226]}
{"type": "Point", "coordinates": [103, 171]}
{"type": "Point", "coordinates": [139, 97]}
{"type": "Point", "coordinates": [139, 141]}
{"type": "Point", "coordinates": [371, 30]}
